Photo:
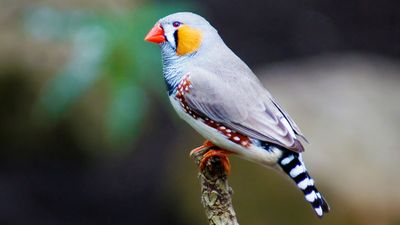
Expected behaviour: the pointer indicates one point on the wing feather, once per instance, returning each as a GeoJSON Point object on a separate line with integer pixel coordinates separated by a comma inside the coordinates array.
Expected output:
{"type": "Point", "coordinates": [243, 105]}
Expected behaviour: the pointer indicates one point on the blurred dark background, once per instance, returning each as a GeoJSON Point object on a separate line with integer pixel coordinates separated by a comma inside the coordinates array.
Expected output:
{"type": "Point", "coordinates": [87, 135]}
{"type": "Point", "coordinates": [292, 29]}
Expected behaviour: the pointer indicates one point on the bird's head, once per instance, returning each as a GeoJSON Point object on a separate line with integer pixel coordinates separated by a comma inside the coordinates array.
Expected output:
{"type": "Point", "coordinates": [182, 33]}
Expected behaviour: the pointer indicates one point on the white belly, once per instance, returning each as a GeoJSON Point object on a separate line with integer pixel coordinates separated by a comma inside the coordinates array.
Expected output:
{"type": "Point", "coordinates": [253, 153]}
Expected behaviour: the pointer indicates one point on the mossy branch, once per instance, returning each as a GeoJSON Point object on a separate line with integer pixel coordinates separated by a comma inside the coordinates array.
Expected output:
{"type": "Point", "coordinates": [215, 191]}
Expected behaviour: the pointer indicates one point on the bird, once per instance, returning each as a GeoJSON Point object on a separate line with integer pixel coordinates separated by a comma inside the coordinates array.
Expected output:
{"type": "Point", "coordinates": [216, 93]}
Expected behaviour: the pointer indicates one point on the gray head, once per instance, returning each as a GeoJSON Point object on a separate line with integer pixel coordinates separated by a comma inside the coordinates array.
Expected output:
{"type": "Point", "coordinates": [182, 33]}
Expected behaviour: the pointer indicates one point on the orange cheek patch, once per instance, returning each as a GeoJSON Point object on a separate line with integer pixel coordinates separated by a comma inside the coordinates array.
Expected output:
{"type": "Point", "coordinates": [189, 40]}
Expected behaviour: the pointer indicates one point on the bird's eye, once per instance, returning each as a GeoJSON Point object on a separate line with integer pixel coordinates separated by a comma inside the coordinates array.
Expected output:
{"type": "Point", "coordinates": [176, 24]}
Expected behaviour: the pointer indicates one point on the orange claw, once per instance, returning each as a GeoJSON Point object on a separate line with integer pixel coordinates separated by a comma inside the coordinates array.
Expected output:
{"type": "Point", "coordinates": [222, 154]}
{"type": "Point", "coordinates": [206, 144]}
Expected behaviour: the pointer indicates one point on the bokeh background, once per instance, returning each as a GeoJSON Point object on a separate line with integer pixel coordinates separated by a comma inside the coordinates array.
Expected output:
{"type": "Point", "coordinates": [87, 135]}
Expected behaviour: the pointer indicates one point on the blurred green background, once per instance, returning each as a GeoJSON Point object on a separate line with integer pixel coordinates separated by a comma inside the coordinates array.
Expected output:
{"type": "Point", "coordinates": [87, 135]}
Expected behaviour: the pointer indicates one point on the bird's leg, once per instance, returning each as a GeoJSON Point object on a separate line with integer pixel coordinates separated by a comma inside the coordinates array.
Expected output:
{"type": "Point", "coordinates": [212, 150]}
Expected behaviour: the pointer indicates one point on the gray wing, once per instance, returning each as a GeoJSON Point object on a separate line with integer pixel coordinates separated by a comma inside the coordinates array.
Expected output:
{"type": "Point", "coordinates": [242, 104]}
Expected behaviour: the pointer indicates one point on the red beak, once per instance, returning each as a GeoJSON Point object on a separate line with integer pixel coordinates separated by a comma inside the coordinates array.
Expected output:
{"type": "Point", "coordinates": [155, 35]}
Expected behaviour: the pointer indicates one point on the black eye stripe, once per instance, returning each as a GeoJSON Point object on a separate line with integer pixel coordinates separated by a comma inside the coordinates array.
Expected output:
{"type": "Point", "coordinates": [176, 39]}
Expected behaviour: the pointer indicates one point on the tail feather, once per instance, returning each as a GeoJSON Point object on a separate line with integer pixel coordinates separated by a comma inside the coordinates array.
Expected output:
{"type": "Point", "coordinates": [293, 165]}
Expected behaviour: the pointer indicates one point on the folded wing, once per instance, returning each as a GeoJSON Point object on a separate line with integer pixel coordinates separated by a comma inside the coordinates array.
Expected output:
{"type": "Point", "coordinates": [243, 105]}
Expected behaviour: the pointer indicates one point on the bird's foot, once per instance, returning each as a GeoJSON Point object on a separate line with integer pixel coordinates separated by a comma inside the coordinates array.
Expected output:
{"type": "Point", "coordinates": [223, 156]}
{"type": "Point", "coordinates": [205, 147]}
{"type": "Point", "coordinates": [209, 150]}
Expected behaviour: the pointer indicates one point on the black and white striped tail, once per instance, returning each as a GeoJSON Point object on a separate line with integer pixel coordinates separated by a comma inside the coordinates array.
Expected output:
{"type": "Point", "coordinates": [293, 165]}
